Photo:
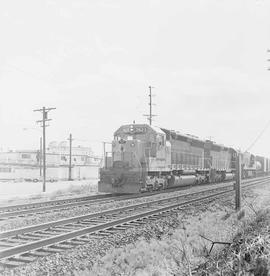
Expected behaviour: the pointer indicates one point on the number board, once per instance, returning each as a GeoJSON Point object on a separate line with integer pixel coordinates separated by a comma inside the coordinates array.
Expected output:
{"type": "Point", "coordinates": [134, 130]}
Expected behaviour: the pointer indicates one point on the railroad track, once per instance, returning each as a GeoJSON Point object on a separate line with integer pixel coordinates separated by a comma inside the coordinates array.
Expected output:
{"type": "Point", "coordinates": [12, 211]}
{"type": "Point", "coordinates": [28, 209]}
{"type": "Point", "coordinates": [25, 245]}
{"type": "Point", "coordinates": [50, 203]}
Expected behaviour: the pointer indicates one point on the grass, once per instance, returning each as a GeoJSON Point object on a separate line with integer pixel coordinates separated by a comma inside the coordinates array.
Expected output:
{"type": "Point", "coordinates": [249, 253]}
{"type": "Point", "coordinates": [174, 254]}
{"type": "Point", "coordinates": [185, 251]}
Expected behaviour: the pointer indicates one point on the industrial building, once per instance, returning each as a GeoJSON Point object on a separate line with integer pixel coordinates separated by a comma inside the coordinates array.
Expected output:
{"type": "Point", "coordinates": [27, 164]}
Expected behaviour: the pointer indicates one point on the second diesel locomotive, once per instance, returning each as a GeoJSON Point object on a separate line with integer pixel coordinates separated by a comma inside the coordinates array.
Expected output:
{"type": "Point", "coordinates": [145, 158]}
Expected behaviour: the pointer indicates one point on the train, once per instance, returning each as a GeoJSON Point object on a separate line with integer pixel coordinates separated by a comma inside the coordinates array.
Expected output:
{"type": "Point", "coordinates": [148, 158]}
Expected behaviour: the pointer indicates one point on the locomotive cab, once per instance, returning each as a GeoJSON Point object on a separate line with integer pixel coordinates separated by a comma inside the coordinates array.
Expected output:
{"type": "Point", "coordinates": [137, 150]}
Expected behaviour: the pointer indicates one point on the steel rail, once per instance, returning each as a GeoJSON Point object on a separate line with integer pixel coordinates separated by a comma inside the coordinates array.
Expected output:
{"type": "Point", "coordinates": [46, 206]}
{"type": "Point", "coordinates": [53, 207]}
{"type": "Point", "coordinates": [56, 239]}
{"type": "Point", "coordinates": [9, 252]}
{"type": "Point", "coordinates": [40, 210]}
{"type": "Point", "coordinates": [66, 221]}
{"type": "Point", "coordinates": [52, 202]}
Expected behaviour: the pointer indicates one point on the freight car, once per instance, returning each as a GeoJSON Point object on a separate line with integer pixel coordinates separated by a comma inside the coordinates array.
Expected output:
{"type": "Point", "coordinates": [262, 165]}
{"type": "Point", "coordinates": [145, 158]}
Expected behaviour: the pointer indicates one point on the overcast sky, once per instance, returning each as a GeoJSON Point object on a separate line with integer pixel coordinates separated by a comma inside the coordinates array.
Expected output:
{"type": "Point", "coordinates": [94, 59]}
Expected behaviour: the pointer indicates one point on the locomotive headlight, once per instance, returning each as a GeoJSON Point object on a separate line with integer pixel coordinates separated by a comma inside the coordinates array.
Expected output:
{"type": "Point", "coordinates": [132, 144]}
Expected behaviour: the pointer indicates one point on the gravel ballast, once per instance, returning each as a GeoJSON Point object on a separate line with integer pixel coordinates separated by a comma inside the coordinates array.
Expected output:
{"type": "Point", "coordinates": [82, 258]}
{"type": "Point", "coordinates": [18, 222]}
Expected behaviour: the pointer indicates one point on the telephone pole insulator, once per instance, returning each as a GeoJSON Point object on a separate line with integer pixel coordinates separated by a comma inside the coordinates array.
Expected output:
{"type": "Point", "coordinates": [44, 112]}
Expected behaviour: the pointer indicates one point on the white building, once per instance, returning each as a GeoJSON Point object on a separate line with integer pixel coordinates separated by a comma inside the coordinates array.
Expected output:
{"type": "Point", "coordinates": [60, 154]}
{"type": "Point", "coordinates": [27, 163]}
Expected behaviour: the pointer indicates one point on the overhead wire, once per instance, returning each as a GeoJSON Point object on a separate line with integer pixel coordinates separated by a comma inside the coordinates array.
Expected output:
{"type": "Point", "coordinates": [259, 136]}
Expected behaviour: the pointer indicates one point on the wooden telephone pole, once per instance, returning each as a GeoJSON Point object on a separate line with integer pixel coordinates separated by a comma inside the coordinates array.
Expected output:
{"type": "Point", "coordinates": [238, 183]}
{"type": "Point", "coordinates": [45, 119]}
{"type": "Point", "coordinates": [150, 115]}
{"type": "Point", "coordinates": [40, 157]}
{"type": "Point", "coordinates": [70, 158]}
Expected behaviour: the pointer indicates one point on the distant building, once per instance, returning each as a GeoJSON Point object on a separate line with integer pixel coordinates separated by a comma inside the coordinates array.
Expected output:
{"type": "Point", "coordinates": [57, 154]}
{"type": "Point", "coordinates": [19, 157]}
{"type": "Point", "coordinates": [28, 162]}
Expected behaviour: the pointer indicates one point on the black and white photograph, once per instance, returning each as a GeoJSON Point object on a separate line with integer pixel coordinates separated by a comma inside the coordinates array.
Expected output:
{"type": "Point", "coordinates": [134, 137]}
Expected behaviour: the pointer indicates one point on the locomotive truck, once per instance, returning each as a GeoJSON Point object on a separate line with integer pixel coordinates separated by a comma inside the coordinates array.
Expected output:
{"type": "Point", "coordinates": [147, 158]}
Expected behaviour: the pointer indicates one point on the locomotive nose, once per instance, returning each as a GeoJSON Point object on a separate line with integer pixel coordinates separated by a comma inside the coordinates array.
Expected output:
{"type": "Point", "coordinates": [117, 180]}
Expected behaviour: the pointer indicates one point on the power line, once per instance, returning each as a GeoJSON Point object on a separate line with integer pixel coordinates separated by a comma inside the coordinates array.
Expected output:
{"type": "Point", "coordinates": [45, 119]}
{"type": "Point", "coordinates": [259, 136]}
{"type": "Point", "coordinates": [264, 129]}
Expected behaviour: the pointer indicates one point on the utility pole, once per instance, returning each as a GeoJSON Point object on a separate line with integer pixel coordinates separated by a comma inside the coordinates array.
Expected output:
{"type": "Point", "coordinates": [238, 183]}
{"type": "Point", "coordinates": [70, 158]}
{"type": "Point", "coordinates": [40, 156]}
{"type": "Point", "coordinates": [150, 105]}
{"type": "Point", "coordinates": [268, 51]}
{"type": "Point", "coordinates": [104, 155]}
{"type": "Point", "coordinates": [45, 119]}
{"type": "Point", "coordinates": [151, 115]}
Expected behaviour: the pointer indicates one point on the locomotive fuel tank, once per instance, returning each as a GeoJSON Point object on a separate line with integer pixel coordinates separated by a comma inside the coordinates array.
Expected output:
{"type": "Point", "coordinates": [182, 180]}
{"type": "Point", "coordinates": [229, 176]}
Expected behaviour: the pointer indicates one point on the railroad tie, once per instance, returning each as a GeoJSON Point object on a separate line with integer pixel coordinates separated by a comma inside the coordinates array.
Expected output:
{"type": "Point", "coordinates": [74, 242]}
{"type": "Point", "coordinates": [68, 227]}
{"type": "Point", "coordinates": [63, 246]}
{"type": "Point", "coordinates": [51, 250]}
{"type": "Point", "coordinates": [62, 229]}
{"type": "Point", "coordinates": [99, 234]}
{"type": "Point", "coordinates": [31, 236]}
{"type": "Point", "coordinates": [152, 218]}
{"type": "Point", "coordinates": [6, 244]}
{"type": "Point", "coordinates": [122, 227]}
{"type": "Point", "coordinates": [38, 253]}
{"type": "Point", "coordinates": [38, 235]}
{"type": "Point", "coordinates": [82, 224]}
{"type": "Point", "coordinates": [81, 239]}
{"type": "Point", "coordinates": [50, 232]}
{"type": "Point", "coordinates": [95, 222]}
{"type": "Point", "coordinates": [112, 230]}
{"type": "Point", "coordinates": [17, 240]}
{"type": "Point", "coordinates": [94, 236]}
{"type": "Point", "coordinates": [26, 238]}
{"type": "Point", "coordinates": [22, 259]}
{"type": "Point", "coordinates": [56, 230]}
{"type": "Point", "coordinates": [104, 233]}
{"type": "Point", "coordinates": [10, 264]}
{"type": "Point", "coordinates": [135, 223]}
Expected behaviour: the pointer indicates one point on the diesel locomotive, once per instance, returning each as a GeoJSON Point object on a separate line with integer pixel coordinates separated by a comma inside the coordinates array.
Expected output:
{"type": "Point", "coordinates": [147, 158]}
